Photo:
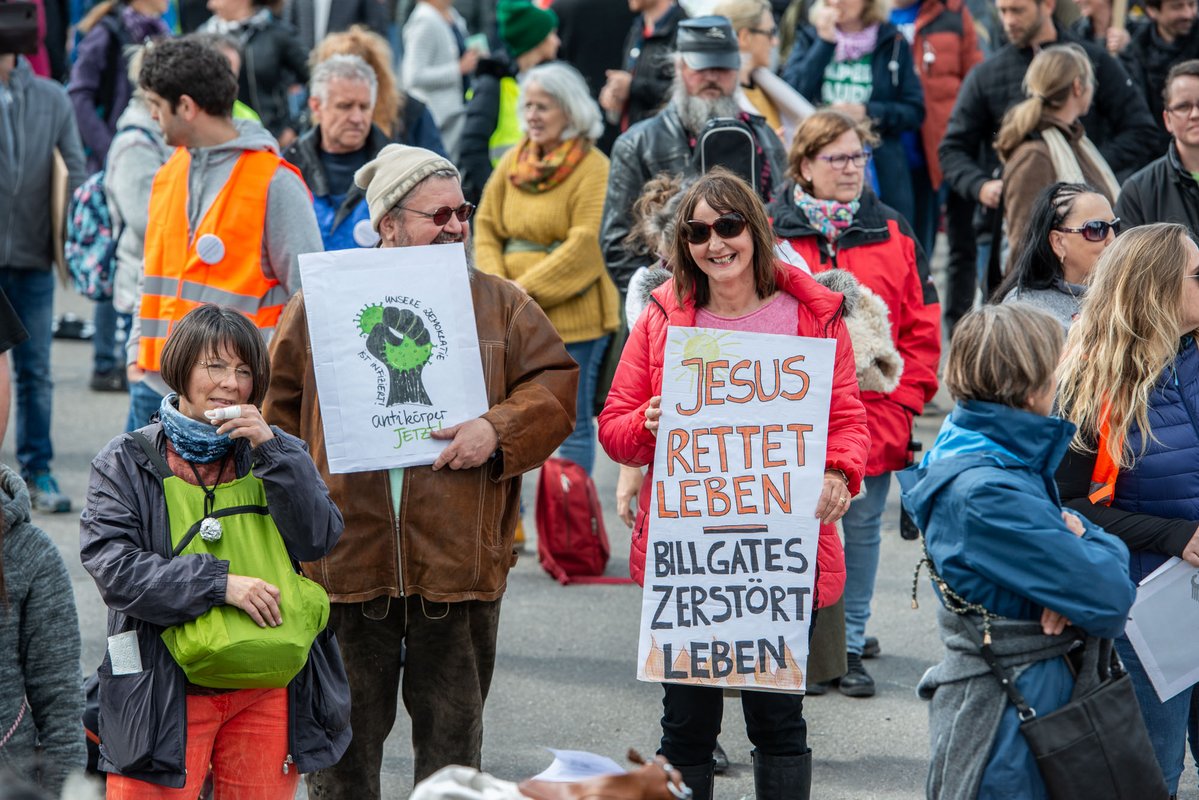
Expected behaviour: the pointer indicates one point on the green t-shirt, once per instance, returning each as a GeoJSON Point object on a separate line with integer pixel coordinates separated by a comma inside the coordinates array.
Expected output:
{"type": "Point", "coordinates": [847, 82]}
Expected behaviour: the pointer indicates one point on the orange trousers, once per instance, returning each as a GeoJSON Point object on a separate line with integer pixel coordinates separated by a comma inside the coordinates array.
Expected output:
{"type": "Point", "coordinates": [242, 735]}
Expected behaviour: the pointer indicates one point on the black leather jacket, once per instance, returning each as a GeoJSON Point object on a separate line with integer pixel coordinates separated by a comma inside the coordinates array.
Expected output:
{"type": "Point", "coordinates": [653, 146]}
{"type": "Point", "coordinates": [272, 60]}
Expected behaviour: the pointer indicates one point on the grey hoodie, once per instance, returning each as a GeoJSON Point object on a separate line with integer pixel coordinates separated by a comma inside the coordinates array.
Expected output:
{"type": "Point", "coordinates": [43, 120]}
{"type": "Point", "coordinates": [291, 227]}
{"type": "Point", "coordinates": [39, 648]}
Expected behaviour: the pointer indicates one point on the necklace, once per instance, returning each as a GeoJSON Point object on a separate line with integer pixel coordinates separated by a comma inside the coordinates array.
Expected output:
{"type": "Point", "coordinates": [210, 526]}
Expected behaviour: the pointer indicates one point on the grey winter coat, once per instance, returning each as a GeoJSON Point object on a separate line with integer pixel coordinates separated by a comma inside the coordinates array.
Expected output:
{"type": "Point", "coordinates": [39, 649]}
{"type": "Point", "coordinates": [43, 120]}
{"type": "Point", "coordinates": [143, 717]}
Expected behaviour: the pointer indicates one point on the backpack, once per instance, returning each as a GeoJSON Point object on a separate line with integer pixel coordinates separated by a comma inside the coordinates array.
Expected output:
{"type": "Point", "coordinates": [730, 142]}
{"type": "Point", "coordinates": [572, 544]}
{"type": "Point", "coordinates": [90, 246]}
{"type": "Point", "coordinates": [91, 243]}
{"type": "Point", "coordinates": [114, 62]}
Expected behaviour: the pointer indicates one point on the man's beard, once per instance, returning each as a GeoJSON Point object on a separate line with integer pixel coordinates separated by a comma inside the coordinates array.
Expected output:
{"type": "Point", "coordinates": [468, 246]}
{"type": "Point", "coordinates": [695, 112]}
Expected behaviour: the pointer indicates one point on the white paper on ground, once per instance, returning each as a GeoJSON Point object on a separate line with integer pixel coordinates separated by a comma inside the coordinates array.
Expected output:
{"type": "Point", "coordinates": [577, 765]}
{"type": "Point", "coordinates": [1163, 627]}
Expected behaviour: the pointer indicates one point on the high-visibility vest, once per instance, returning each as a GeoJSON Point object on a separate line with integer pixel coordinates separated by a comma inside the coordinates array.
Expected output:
{"type": "Point", "coordinates": [1103, 476]}
{"type": "Point", "coordinates": [507, 122]}
{"type": "Point", "coordinates": [178, 280]}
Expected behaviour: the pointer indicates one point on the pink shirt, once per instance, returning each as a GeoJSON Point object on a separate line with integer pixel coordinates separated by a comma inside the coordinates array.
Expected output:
{"type": "Point", "coordinates": [777, 316]}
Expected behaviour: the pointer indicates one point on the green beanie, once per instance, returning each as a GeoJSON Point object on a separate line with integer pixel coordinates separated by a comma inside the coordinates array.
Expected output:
{"type": "Point", "coordinates": [523, 25]}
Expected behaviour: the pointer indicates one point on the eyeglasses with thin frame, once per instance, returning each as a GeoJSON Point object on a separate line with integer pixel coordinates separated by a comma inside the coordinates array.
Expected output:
{"type": "Point", "coordinates": [726, 226]}
{"type": "Point", "coordinates": [218, 371]}
{"type": "Point", "coordinates": [842, 160]}
{"type": "Point", "coordinates": [767, 32]}
{"type": "Point", "coordinates": [441, 217]}
{"type": "Point", "coordinates": [1093, 230]}
{"type": "Point", "coordinates": [1183, 109]}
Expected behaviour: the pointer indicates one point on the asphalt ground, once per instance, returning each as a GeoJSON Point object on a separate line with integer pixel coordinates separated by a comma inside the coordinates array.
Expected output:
{"type": "Point", "coordinates": [565, 673]}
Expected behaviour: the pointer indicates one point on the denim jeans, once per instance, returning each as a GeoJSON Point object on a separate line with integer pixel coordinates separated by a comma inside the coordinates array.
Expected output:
{"type": "Point", "coordinates": [445, 673]}
{"type": "Point", "coordinates": [862, 525]}
{"type": "Point", "coordinates": [143, 403]}
{"type": "Point", "coordinates": [1167, 722]}
{"type": "Point", "coordinates": [31, 292]}
{"type": "Point", "coordinates": [579, 447]}
{"type": "Point", "coordinates": [106, 353]}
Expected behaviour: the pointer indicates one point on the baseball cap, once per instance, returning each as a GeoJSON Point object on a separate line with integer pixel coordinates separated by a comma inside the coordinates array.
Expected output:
{"type": "Point", "coordinates": [708, 43]}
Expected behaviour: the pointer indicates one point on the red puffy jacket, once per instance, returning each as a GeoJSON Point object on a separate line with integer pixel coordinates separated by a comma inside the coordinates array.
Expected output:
{"type": "Point", "coordinates": [639, 377]}
{"type": "Point", "coordinates": [880, 250]}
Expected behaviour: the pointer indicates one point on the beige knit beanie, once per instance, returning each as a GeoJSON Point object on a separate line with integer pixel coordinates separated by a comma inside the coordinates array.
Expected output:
{"type": "Point", "coordinates": [394, 173]}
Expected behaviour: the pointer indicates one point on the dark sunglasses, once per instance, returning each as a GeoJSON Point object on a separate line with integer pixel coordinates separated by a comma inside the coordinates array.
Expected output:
{"type": "Point", "coordinates": [441, 217]}
{"type": "Point", "coordinates": [1094, 230]}
{"type": "Point", "coordinates": [727, 226]}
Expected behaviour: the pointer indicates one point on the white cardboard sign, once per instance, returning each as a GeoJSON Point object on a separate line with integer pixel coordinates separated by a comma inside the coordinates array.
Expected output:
{"type": "Point", "coordinates": [1163, 627]}
{"type": "Point", "coordinates": [738, 470]}
{"type": "Point", "coordinates": [396, 352]}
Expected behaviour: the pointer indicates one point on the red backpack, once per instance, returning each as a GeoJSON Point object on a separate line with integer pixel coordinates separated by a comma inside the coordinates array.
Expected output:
{"type": "Point", "coordinates": [572, 544]}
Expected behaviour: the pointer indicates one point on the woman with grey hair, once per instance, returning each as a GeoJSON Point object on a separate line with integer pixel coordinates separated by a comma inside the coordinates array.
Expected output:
{"type": "Point", "coordinates": [538, 226]}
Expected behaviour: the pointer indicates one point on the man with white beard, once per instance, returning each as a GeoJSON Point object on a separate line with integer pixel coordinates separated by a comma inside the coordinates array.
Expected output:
{"type": "Point", "coordinates": [706, 74]}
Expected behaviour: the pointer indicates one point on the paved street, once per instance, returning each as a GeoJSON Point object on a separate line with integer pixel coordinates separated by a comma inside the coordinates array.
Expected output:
{"type": "Point", "coordinates": [565, 674]}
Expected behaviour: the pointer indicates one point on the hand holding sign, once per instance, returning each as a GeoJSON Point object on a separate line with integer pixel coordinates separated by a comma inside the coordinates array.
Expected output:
{"type": "Point", "coordinates": [473, 443]}
{"type": "Point", "coordinates": [653, 413]}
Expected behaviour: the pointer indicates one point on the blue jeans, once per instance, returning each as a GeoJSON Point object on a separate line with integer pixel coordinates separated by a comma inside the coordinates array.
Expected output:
{"type": "Point", "coordinates": [862, 525]}
{"type": "Point", "coordinates": [1167, 722]}
{"type": "Point", "coordinates": [106, 354]}
{"type": "Point", "coordinates": [31, 292]}
{"type": "Point", "coordinates": [143, 402]}
{"type": "Point", "coordinates": [579, 447]}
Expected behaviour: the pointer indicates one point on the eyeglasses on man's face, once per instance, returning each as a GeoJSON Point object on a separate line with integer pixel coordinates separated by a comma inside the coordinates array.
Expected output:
{"type": "Point", "coordinates": [1183, 109]}
{"type": "Point", "coordinates": [441, 217]}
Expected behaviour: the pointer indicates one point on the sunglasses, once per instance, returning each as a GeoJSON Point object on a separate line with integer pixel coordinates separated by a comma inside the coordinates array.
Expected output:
{"type": "Point", "coordinates": [441, 217]}
{"type": "Point", "coordinates": [727, 226]}
{"type": "Point", "coordinates": [1094, 230]}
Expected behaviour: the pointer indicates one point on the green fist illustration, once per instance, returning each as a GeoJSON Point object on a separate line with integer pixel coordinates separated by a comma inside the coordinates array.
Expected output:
{"type": "Point", "coordinates": [399, 340]}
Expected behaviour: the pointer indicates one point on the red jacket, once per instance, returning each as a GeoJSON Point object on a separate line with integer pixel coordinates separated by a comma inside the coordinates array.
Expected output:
{"type": "Point", "coordinates": [639, 377]}
{"type": "Point", "coordinates": [879, 249]}
{"type": "Point", "coordinates": [945, 49]}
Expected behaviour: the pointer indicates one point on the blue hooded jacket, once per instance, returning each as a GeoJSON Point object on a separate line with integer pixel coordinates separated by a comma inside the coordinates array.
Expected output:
{"type": "Point", "coordinates": [987, 502]}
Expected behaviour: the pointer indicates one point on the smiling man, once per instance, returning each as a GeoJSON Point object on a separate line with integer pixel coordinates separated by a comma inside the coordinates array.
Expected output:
{"type": "Point", "coordinates": [342, 94]}
{"type": "Point", "coordinates": [706, 77]}
{"type": "Point", "coordinates": [229, 216]}
{"type": "Point", "coordinates": [1171, 39]}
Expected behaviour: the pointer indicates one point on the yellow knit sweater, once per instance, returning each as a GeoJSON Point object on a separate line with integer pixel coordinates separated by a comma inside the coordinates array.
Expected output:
{"type": "Point", "coordinates": [571, 284]}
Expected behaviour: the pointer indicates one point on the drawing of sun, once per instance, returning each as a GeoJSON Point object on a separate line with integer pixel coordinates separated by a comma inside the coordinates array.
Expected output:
{"type": "Point", "coordinates": [707, 344]}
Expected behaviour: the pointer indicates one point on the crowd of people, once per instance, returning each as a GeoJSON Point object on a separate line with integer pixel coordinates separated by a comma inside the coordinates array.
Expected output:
{"type": "Point", "coordinates": [612, 169]}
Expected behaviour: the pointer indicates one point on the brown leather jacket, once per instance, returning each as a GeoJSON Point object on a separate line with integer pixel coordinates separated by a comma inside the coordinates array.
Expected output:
{"type": "Point", "coordinates": [453, 539]}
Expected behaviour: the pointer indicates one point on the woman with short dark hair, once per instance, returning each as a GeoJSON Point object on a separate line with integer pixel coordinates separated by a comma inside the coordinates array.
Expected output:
{"type": "Point", "coordinates": [171, 509]}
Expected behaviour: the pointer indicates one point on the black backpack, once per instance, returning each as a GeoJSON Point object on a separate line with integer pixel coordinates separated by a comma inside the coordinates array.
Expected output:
{"type": "Point", "coordinates": [114, 63]}
{"type": "Point", "coordinates": [730, 142]}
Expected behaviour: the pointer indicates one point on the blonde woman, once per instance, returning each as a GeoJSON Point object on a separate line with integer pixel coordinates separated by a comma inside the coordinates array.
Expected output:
{"type": "Point", "coordinates": [1042, 140]}
{"type": "Point", "coordinates": [1129, 380]}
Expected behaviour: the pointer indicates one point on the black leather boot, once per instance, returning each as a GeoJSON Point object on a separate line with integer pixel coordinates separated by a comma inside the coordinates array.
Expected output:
{"type": "Point", "coordinates": [699, 778]}
{"type": "Point", "coordinates": [857, 681]}
{"type": "Point", "coordinates": [782, 777]}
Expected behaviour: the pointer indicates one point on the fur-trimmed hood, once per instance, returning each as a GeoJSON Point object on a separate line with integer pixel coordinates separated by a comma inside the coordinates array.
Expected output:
{"type": "Point", "coordinates": [878, 363]}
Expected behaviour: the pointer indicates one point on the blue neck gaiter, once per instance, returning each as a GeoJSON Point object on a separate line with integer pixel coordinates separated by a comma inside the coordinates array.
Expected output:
{"type": "Point", "coordinates": [194, 440]}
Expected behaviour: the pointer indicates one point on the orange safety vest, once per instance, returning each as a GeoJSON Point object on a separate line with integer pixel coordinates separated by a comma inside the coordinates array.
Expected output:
{"type": "Point", "coordinates": [1103, 476]}
{"type": "Point", "coordinates": [178, 280]}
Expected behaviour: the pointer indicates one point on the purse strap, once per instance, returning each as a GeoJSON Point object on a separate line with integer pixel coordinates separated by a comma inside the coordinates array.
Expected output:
{"type": "Point", "coordinates": [1007, 681]}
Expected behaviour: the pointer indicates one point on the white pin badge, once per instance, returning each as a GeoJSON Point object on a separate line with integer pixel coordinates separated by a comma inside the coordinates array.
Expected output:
{"type": "Point", "coordinates": [210, 248]}
{"type": "Point", "coordinates": [364, 234]}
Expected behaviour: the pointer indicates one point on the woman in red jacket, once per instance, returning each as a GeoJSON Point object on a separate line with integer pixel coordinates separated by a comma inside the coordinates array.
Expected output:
{"type": "Point", "coordinates": [726, 276]}
{"type": "Point", "coordinates": [826, 217]}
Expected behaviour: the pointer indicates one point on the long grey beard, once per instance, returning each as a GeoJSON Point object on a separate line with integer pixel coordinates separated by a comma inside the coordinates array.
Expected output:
{"type": "Point", "coordinates": [695, 112]}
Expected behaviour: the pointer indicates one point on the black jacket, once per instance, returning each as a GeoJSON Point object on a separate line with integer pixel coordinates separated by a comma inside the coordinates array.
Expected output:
{"type": "Point", "coordinates": [301, 14]}
{"type": "Point", "coordinates": [653, 146]}
{"type": "Point", "coordinates": [1119, 122]}
{"type": "Point", "coordinates": [1162, 192]}
{"type": "Point", "coordinates": [482, 115]}
{"type": "Point", "coordinates": [1148, 60]}
{"type": "Point", "coordinates": [653, 65]}
{"type": "Point", "coordinates": [272, 59]}
{"type": "Point", "coordinates": [305, 153]}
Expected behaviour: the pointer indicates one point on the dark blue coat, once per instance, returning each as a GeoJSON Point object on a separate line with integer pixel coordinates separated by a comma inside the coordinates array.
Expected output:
{"type": "Point", "coordinates": [896, 102]}
{"type": "Point", "coordinates": [986, 500]}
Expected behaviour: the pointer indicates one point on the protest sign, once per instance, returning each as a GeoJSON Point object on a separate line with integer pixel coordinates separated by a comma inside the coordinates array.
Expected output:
{"type": "Point", "coordinates": [396, 352]}
{"type": "Point", "coordinates": [1163, 627]}
{"type": "Point", "coordinates": [738, 470]}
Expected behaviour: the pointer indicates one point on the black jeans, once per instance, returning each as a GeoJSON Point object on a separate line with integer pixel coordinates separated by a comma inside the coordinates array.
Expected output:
{"type": "Point", "coordinates": [448, 652]}
{"type": "Point", "coordinates": [691, 718]}
{"type": "Point", "coordinates": [962, 267]}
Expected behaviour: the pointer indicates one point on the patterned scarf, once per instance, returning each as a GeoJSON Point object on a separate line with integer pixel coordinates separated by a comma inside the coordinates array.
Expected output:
{"type": "Point", "coordinates": [830, 217]}
{"type": "Point", "coordinates": [536, 173]}
{"type": "Point", "coordinates": [194, 440]}
{"type": "Point", "coordinates": [852, 46]}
